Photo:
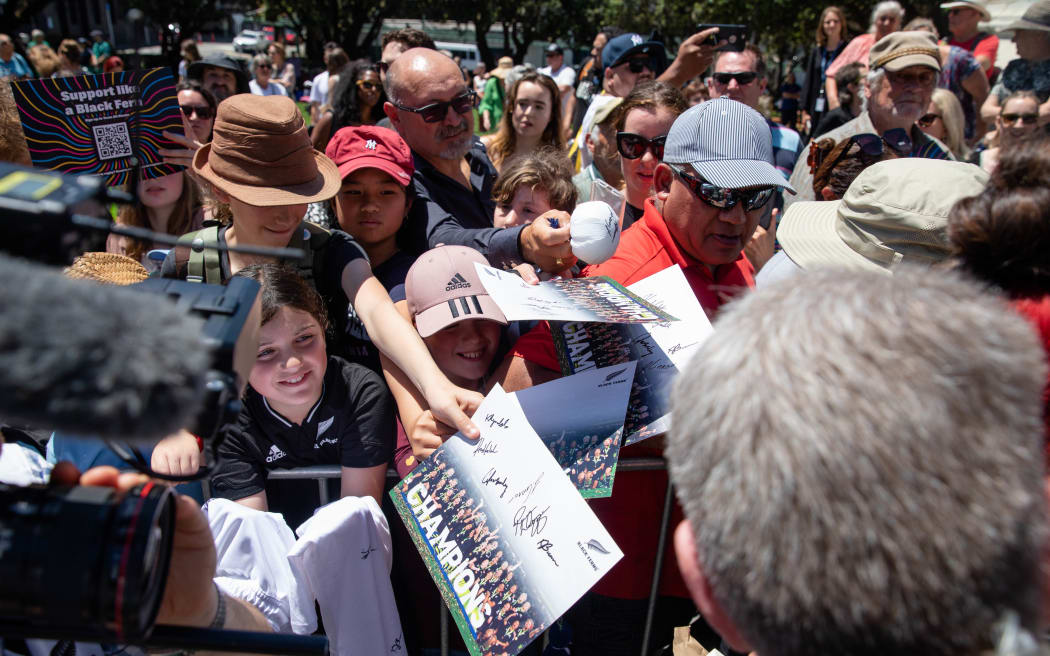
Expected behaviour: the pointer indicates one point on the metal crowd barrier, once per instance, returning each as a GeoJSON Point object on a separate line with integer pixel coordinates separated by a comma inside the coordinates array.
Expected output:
{"type": "Point", "coordinates": [324, 472]}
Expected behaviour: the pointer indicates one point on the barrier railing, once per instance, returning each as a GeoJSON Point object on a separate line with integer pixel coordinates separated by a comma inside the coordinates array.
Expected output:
{"type": "Point", "coordinates": [324, 472]}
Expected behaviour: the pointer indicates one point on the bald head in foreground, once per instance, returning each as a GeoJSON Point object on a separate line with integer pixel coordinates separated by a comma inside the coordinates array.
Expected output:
{"type": "Point", "coordinates": [884, 490]}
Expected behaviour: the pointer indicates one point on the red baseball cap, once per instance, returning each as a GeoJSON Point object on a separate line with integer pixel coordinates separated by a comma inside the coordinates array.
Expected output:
{"type": "Point", "coordinates": [443, 288]}
{"type": "Point", "coordinates": [371, 147]}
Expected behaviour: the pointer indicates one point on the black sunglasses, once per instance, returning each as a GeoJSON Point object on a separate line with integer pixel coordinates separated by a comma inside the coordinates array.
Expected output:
{"type": "Point", "coordinates": [435, 112]}
{"type": "Point", "coordinates": [1027, 119]}
{"type": "Point", "coordinates": [723, 198]}
{"type": "Point", "coordinates": [639, 64]}
{"type": "Point", "coordinates": [633, 146]}
{"type": "Point", "coordinates": [203, 111]}
{"type": "Point", "coordinates": [926, 120]}
{"type": "Point", "coordinates": [743, 78]}
{"type": "Point", "coordinates": [870, 144]}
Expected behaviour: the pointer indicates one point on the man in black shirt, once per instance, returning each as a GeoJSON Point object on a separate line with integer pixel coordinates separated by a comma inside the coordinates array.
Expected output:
{"type": "Point", "coordinates": [431, 107]}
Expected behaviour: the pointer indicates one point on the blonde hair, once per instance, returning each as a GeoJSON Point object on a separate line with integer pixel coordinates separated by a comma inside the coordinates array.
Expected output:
{"type": "Point", "coordinates": [954, 122]}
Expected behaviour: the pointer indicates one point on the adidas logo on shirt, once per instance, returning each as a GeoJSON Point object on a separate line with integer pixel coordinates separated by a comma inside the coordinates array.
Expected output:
{"type": "Point", "coordinates": [275, 454]}
{"type": "Point", "coordinates": [457, 282]}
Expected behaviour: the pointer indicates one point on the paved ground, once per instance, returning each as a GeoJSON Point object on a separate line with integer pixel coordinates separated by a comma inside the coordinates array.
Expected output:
{"type": "Point", "coordinates": [213, 47]}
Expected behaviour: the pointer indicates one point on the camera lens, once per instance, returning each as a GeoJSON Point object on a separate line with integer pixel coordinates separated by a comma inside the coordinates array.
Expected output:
{"type": "Point", "coordinates": [85, 559]}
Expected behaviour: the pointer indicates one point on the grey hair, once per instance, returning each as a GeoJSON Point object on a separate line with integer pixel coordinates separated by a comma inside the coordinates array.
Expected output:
{"type": "Point", "coordinates": [261, 58]}
{"type": "Point", "coordinates": [861, 459]}
{"type": "Point", "coordinates": [884, 7]}
{"type": "Point", "coordinates": [873, 82]}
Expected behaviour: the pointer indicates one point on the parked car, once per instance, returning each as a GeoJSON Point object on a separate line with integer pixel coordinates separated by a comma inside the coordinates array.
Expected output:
{"type": "Point", "coordinates": [250, 41]}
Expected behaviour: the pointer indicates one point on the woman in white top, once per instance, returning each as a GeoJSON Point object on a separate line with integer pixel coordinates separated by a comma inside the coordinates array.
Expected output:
{"type": "Point", "coordinates": [262, 85]}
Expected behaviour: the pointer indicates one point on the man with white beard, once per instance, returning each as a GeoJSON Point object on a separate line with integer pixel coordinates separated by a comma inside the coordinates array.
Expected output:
{"type": "Point", "coordinates": [903, 68]}
{"type": "Point", "coordinates": [431, 106]}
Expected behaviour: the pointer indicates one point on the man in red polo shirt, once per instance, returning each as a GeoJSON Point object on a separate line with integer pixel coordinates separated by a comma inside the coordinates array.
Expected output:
{"type": "Point", "coordinates": [711, 188]}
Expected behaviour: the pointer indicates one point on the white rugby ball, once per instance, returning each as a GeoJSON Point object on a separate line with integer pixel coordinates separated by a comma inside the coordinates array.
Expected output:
{"type": "Point", "coordinates": [594, 231]}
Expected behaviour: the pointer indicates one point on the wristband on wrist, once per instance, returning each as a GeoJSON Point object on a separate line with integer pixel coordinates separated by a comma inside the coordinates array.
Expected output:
{"type": "Point", "coordinates": [220, 609]}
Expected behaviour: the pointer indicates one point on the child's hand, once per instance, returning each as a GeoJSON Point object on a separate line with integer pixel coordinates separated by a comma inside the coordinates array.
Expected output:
{"type": "Point", "coordinates": [428, 434]}
{"type": "Point", "coordinates": [176, 455]}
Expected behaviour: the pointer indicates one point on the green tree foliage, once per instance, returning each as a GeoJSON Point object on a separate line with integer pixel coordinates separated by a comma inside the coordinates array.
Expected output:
{"type": "Point", "coordinates": [353, 24]}
{"type": "Point", "coordinates": [16, 13]}
{"type": "Point", "coordinates": [190, 15]}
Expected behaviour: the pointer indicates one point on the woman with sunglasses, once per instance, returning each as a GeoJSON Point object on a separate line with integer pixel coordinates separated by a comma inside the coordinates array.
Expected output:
{"type": "Point", "coordinates": [944, 120]}
{"type": "Point", "coordinates": [357, 99]}
{"type": "Point", "coordinates": [532, 122]}
{"type": "Point", "coordinates": [262, 85]}
{"type": "Point", "coordinates": [642, 122]}
{"type": "Point", "coordinates": [198, 107]}
{"type": "Point", "coordinates": [1017, 122]}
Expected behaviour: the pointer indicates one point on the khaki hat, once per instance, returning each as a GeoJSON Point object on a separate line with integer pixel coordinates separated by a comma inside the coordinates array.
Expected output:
{"type": "Point", "coordinates": [1036, 17]}
{"type": "Point", "coordinates": [976, 5]}
{"type": "Point", "coordinates": [605, 110]}
{"type": "Point", "coordinates": [503, 67]}
{"type": "Point", "coordinates": [443, 288]}
{"type": "Point", "coordinates": [261, 154]}
{"type": "Point", "coordinates": [899, 50]}
{"type": "Point", "coordinates": [895, 211]}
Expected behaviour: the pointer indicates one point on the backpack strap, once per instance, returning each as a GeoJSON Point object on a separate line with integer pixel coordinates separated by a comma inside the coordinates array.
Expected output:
{"type": "Point", "coordinates": [193, 262]}
{"type": "Point", "coordinates": [311, 238]}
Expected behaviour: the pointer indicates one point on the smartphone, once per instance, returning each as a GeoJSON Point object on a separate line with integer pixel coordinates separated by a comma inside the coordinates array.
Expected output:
{"type": "Point", "coordinates": [735, 36]}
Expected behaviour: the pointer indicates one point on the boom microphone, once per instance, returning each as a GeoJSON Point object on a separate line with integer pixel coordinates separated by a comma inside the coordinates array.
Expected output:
{"type": "Point", "coordinates": [98, 360]}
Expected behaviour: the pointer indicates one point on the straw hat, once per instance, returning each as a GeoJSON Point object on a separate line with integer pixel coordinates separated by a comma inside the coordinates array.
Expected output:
{"type": "Point", "coordinates": [108, 268]}
{"type": "Point", "coordinates": [261, 154]}
{"type": "Point", "coordinates": [503, 67]}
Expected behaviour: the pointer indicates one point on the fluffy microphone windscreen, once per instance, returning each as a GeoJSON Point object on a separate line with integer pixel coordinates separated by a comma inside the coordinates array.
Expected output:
{"type": "Point", "coordinates": [95, 360]}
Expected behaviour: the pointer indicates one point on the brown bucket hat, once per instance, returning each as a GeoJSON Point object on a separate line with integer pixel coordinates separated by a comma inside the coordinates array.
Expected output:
{"type": "Point", "coordinates": [260, 154]}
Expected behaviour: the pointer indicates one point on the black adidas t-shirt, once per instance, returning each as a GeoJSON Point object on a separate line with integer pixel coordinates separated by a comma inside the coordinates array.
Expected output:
{"type": "Point", "coordinates": [351, 425]}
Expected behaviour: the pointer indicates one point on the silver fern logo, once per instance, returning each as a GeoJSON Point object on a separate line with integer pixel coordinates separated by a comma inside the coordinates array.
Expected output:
{"type": "Point", "coordinates": [597, 546]}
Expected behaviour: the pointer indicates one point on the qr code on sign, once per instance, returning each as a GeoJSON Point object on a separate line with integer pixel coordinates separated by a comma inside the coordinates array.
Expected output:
{"type": "Point", "coordinates": [112, 140]}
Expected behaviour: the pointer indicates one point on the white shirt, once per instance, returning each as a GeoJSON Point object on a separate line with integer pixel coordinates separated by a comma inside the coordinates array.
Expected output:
{"type": "Point", "coordinates": [272, 89]}
{"type": "Point", "coordinates": [319, 90]}
{"type": "Point", "coordinates": [563, 77]}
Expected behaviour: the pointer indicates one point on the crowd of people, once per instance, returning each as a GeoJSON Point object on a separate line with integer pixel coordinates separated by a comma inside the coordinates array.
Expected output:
{"type": "Point", "coordinates": [858, 453]}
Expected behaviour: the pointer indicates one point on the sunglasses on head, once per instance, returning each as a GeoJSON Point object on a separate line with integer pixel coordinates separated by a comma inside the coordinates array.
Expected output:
{"type": "Point", "coordinates": [633, 146]}
{"type": "Point", "coordinates": [202, 111]}
{"type": "Point", "coordinates": [926, 120]}
{"type": "Point", "coordinates": [723, 198]}
{"type": "Point", "coordinates": [1026, 119]}
{"type": "Point", "coordinates": [871, 145]}
{"type": "Point", "coordinates": [743, 78]}
{"type": "Point", "coordinates": [639, 64]}
{"type": "Point", "coordinates": [435, 112]}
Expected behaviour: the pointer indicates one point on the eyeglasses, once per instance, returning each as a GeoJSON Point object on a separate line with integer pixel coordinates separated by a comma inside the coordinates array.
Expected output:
{"type": "Point", "coordinates": [383, 67]}
{"type": "Point", "coordinates": [743, 79]}
{"type": "Point", "coordinates": [1026, 119]}
{"type": "Point", "coordinates": [926, 78]}
{"type": "Point", "coordinates": [722, 198]}
{"type": "Point", "coordinates": [265, 67]}
{"type": "Point", "coordinates": [926, 120]}
{"type": "Point", "coordinates": [633, 146]}
{"type": "Point", "coordinates": [366, 85]}
{"type": "Point", "coordinates": [435, 112]}
{"type": "Point", "coordinates": [639, 64]}
{"type": "Point", "coordinates": [871, 145]}
{"type": "Point", "coordinates": [202, 111]}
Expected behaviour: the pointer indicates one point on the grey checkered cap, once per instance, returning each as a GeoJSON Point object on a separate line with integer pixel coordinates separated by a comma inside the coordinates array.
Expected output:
{"type": "Point", "coordinates": [727, 143]}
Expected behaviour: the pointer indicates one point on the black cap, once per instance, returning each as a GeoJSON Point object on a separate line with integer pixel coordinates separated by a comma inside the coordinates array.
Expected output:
{"type": "Point", "coordinates": [195, 71]}
{"type": "Point", "coordinates": [554, 49]}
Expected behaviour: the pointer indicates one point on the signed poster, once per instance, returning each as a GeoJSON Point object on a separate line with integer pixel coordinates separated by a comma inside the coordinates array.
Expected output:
{"type": "Point", "coordinates": [508, 539]}
{"type": "Point", "coordinates": [100, 124]}
{"type": "Point", "coordinates": [580, 419]}
{"type": "Point", "coordinates": [598, 298]}
{"type": "Point", "coordinates": [660, 349]}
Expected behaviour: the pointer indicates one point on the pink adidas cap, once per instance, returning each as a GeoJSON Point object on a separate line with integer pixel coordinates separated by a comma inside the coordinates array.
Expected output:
{"type": "Point", "coordinates": [443, 288]}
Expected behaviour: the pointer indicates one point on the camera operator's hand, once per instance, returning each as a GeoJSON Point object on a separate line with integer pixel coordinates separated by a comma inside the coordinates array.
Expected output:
{"type": "Point", "coordinates": [177, 455]}
{"type": "Point", "coordinates": [190, 596]}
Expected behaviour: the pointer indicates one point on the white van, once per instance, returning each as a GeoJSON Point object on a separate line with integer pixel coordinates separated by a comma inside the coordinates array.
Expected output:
{"type": "Point", "coordinates": [467, 52]}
